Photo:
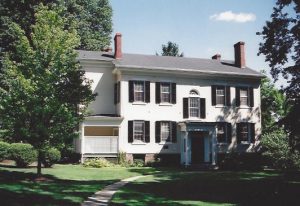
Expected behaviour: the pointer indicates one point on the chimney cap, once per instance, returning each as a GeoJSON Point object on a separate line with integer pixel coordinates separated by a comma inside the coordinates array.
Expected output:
{"type": "Point", "coordinates": [239, 43]}
{"type": "Point", "coordinates": [216, 57]}
{"type": "Point", "coordinates": [118, 34]}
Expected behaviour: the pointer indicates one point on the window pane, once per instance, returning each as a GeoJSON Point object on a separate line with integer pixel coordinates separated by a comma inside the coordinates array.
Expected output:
{"type": "Point", "coordinates": [165, 92]}
{"type": "Point", "coordinates": [138, 130]}
{"type": "Point", "coordinates": [220, 95]}
{"type": "Point", "coordinates": [165, 131]}
{"type": "Point", "coordinates": [244, 133]}
{"type": "Point", "coordinates": [139, 91]}
{"type": "Point", "coordinates": [194, 107]}
{"type": "Point", "coordinates": [244, 96]}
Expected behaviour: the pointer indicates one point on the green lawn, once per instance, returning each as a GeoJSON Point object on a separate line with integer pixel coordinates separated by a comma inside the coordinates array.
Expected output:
{"type": "Point", "coordinates": [179, 188]}
{"type": "Point", "coordinates": [65, 185]}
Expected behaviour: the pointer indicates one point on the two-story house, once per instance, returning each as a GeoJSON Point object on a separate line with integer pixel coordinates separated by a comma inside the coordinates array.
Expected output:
{"type": "Point", "coordinates": [186, 109]}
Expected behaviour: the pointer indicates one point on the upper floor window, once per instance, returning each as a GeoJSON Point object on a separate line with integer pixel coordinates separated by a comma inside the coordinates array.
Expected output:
{"type": "Point", "coordinates": [165, 92]}
{"type": "Point", "coordinates": [244, 96]}
{"type": "Point", "coordinates": [245, 132]}
{"type": "Point", "coordinates": [223, 132]}
{"type": "Point", "coordinates": [138, 131]}
{"type": "Point", "coordinates": [139, 91]}
{"type": "Point", "coordinates": [194, 107]}
{"type": "Point", "coordinates": [220, 95]}
{"type": "Point", "coordinates": [165, 131]}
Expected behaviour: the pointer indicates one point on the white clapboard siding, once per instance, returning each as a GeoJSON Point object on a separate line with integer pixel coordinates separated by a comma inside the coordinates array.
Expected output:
{"type": "Point", "coordinates": [100, 144]}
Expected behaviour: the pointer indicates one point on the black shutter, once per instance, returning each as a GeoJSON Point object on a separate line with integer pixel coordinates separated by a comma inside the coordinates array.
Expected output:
{"type": "Point", "coordinates": [252, 132]}
{"type": "Point", "coordinates": [238, 132]}
{"type": "Point", "coordinates": [202, 108]}
{"type": "Point", "coordinates": [228, 97]}
{"type": "Point", "coordinates": [147, 89]}
{"type": "Point", "coordinates": [131, 92]}
{"type": "Point", "coordinates": [251, 97]}
{"type": "Point", "coordinates": [130, 131]}
{"type": "Point", "coordinates": [237, 96]}
{"type": "Point", "coordinates": [174, 131]}
{"type": "Point", "coordinates": [116, 93]}
{"type": "Point", "coordinates": [228, 132]}
{"type": "Point", "coordinates": [157, 131]}
{"type": "Point", "coordinates": [173, 97]}
{"type": "Point", "coordinates": [147, 131]}
{"type": "Point", "coordinates": [185, 108]}
{"type": "Point", "coordinates": [213, 95]}
{"type": "Point", "coordinates": [157, 92]}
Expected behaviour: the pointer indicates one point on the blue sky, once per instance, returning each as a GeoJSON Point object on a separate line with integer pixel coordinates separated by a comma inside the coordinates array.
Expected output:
{"type": "Point", "coordinates": [201, 28]}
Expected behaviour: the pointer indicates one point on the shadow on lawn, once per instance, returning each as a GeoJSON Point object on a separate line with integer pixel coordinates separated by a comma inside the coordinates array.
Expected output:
{"type": "Point", "coordinates": [19, 188]}
{"type": "Point", "coordinates": [182, 188]}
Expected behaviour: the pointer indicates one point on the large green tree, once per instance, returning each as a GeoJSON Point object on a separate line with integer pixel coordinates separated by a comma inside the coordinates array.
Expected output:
{"type": "Point", "coordinates": [94, 20]}
{"type": "Point", "coordinates": [281, 47]}
{"type": "Point", "coordinates": [171, 49]}
{"type": "Point", "coordinates": [273, 105]}
{"type": "Point", "coordinates": [43, 84]}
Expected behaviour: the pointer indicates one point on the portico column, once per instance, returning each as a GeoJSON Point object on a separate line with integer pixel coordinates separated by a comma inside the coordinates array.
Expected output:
{"type": "Point", "coordinates": [214, 143]}
{"type": "Point", "coordinates": [82, 142]}
{"type": "Point", "coordinates": [186, 149]}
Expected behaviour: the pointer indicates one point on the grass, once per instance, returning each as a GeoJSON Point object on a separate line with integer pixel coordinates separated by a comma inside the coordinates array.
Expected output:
{"type": "Point", "coordinates": [65, 184]}
{"type": "Point", "coordinates": [178, 188]}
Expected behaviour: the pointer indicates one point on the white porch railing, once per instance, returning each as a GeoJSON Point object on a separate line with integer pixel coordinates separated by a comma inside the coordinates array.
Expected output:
{"type": "Point", "coordinates": [100, 144]}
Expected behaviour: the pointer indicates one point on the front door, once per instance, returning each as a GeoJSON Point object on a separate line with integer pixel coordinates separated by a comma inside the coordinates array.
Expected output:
{"type": "Point", "coordinates": [197, 143]}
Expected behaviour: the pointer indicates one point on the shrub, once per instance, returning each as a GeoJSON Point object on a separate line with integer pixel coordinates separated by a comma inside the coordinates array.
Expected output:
{"type": "Point", "coordinates": [138, 163]}
{"type": "Point", "coordinates": [22, 154]}
{"type": "Point", "coordinates": [122, 160]}
{"type": "Point", "coordinates": [4, 151]}
{"type": "Point", "coordinates": [68, 155]}
{"type": "Point", "coordinates": [279, 152]}
{"type": "Point", "coordinates": [97, 163]}
{"type": "Point", "coordinates": [50, 156]}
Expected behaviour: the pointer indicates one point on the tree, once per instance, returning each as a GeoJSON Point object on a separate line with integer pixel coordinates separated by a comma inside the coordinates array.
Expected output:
{"type": "Point", "coordinates": [171, 49]}
{"type": "Point", "coordinates": [43, 84]}
{"type": "Point", "coordinates": [281, 47]}
{"type": "Point", "coordinates": [273, 105]}
{"type": "Point", "coordinates": [93, 17]}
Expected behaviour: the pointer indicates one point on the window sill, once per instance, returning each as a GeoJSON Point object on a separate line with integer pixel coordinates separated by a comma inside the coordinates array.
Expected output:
{"type": "Point", "coordinates": [139, 103]}
{"type": "Point", "coordinates": [244, 107]}
{"type": "Point", "coordinates": [245, 143]}
{"type": "Point", "coordinates": [165, 104]}
{"type": "Point", "coordinates": [138, 143]}
{"type": "Point", "coordinates": [164, 143]}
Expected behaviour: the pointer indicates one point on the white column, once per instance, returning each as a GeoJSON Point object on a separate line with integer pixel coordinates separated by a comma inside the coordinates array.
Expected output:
{"type": "Point", "coordinates": [214, 144]}
{"type": "Point", "coordinates": [82, 141]}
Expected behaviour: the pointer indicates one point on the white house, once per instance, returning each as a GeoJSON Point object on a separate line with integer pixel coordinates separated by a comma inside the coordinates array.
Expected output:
{"type": "Point", "coordinates": [183, 109]}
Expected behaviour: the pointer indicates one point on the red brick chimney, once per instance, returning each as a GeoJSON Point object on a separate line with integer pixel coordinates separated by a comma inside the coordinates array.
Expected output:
{"type": "Point", "coordinates": [239, 54]}
{"type": "Point", "coordinates": [118, 46]}
{"type": "Point", "coordinates": [216, 57]}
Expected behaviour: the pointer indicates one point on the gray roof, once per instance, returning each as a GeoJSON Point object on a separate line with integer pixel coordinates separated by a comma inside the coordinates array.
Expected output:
{"type": "Point", "coordinates": [168, 62]}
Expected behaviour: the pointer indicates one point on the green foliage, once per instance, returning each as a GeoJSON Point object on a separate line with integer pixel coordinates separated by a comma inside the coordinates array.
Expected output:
{"type": "Point", "coordinates": [281, 48]}
{"type": "Point", "coordinates": [43, 84]}
{"type": "Point", "coordinates": [122, 160]}
{"type": "Point", "coordinates": [273, 105]}
{"type": "Point", "coordinates": [4, 150]}
{"type": "Point", "coordinates": [171, 49]}
{"type": "Point", "coordinates": [97, 163]}
{"type": "Point", "coordinates": [93, 20]}
{"type": "Point", "coordinates": [138, 163]}
{"type": "Point", "coordinates": [279, 152]}
{"type": "Point", "coordinates": [50, 157]}
{"type": "Point", "coordinates": [22, 154]}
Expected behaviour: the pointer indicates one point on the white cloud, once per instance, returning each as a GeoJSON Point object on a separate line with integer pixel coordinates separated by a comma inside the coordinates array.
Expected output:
{"type": "Point", "coordinates": [233, 17]}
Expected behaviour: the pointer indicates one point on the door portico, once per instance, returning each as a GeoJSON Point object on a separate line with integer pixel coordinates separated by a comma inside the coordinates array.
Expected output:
{"type": "Point", "coordinates": [198, 143]}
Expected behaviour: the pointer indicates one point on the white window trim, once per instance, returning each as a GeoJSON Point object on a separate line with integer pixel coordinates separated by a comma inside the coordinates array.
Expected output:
{"type": "Point", "coordinates": [199, 110]}
{"type": "Point", "coordinates": [248, 99]}
{"type": "Point", "coordinates": [170, 133]}
{"type": "Point", "coordinates": [248, 133]}
{"type": "Point", "coordinates": [144, 87]}
{"type": "Point", "coordinates": [135, 141]}
{"type": "Point", "coordinates": [170, 93]}
{"type": "Point", "coordinates": [224, 88]}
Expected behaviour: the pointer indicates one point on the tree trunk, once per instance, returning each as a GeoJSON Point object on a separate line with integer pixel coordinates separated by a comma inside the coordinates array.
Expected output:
{"type": "Point", "coordinates": [39, 165]}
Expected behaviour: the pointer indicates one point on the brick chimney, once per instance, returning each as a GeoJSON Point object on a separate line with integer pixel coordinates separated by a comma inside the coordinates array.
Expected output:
{"type": "Point", "coordinates": [216, 57]}
{"type": "Point", "coordinates": [239, 54]}
{"type": "Point", "coordinates": [118, 46]}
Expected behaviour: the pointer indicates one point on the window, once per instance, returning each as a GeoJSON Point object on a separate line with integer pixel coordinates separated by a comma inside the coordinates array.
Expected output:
{"type": "Point", "coordinates": [220, 95]}
{"type": "Point", "coordinates": [165, 131]}
{"type": "Point", "coordinates": [139, 89]}
{"type": "Point", "coordinates": [165, 92]}
{"type": "Point", "coordinates": [244, 96]}
{"type": "Point", "coordinates": [223, 132]}
{"type": "Point", "coordinates": [245, 132]}
{"type": "Point", "coordinates": [194, 106]}
{"type": "Point", "coordinates": [139, 131]}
